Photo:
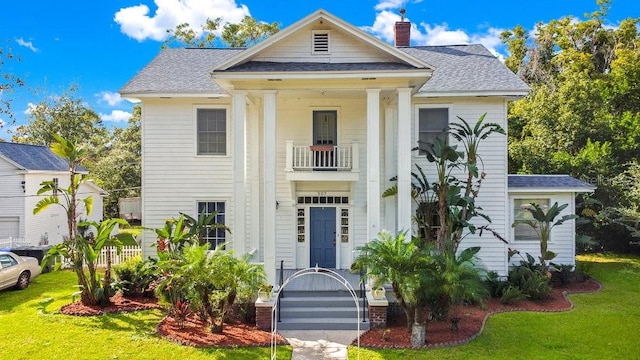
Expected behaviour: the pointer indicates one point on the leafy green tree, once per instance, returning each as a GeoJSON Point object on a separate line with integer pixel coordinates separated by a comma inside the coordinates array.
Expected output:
{"type": "Point", "coordinates": [119, 168]}
{"type": "Point", "coordinates": [582, 115]}
{"type": "Point", "coordinates": [9, 81]}
{"type": "Point", "coordinates": [247, 32]}
{"type": "Point", "coordinates": [68, 117]}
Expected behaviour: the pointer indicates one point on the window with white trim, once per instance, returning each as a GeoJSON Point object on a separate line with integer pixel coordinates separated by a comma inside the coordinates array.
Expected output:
{"type": "Point", "coordinates": [432, 124]}
{"type": "Point", "coordinates": [216, 236]}
{"type": "Point", "coordinates": [524, 232]}
{"type": "Point", "coordinates": [212, 131]}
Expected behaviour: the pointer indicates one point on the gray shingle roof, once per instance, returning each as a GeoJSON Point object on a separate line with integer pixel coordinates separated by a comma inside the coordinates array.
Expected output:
{"type": "Point", "coordinates": [458, 68]}
{"type": "Point", "coordinates": [465, 68]}
{"type": "Point", "coordinates": [548, 182]}
{"type": "Point", "coordinates": [34, 157]}
{"type": "Point", "coordinates": [180, 71]}
{"type": "Point", "coordinates": [268, 66]}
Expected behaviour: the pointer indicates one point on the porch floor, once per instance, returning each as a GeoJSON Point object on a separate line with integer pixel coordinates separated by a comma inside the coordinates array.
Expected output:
{"type": "Point", "coordinates": [318, 281]}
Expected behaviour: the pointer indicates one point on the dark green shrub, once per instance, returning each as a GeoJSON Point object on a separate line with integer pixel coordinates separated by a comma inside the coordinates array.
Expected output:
{"type": "Point", "coordinates": [562, 273]}
{"type": "Point", "coordinates": [495, 284]}
{"type": "Point", "coordinates": [135, 277]}
{"type": "Point", "coordinates": [511, 294]}
{"type": "Point", "coordinates": [534, 284]}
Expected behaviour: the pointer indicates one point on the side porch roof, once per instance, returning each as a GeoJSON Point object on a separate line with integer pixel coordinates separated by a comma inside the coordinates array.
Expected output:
{"type": "Point", "coordinates": [547, 183]}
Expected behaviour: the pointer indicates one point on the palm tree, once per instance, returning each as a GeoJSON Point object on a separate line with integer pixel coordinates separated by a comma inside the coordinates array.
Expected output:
{"type": "Point", "coordinates": [393, 260]}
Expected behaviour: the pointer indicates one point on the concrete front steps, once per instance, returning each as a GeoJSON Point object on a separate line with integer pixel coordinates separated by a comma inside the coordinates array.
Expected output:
{"type": "Point", "coordinates": [320, 310]}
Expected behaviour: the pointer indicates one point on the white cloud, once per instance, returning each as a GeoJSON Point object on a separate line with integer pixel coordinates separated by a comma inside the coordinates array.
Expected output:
{"type": "Point", "coordinates": [431, 34]}
{"type": "Point", "coordinates": [29, 109]}
{"type": "Point", "coordinates": [138, 23]}
{"type": "Point", "coordinates": [111, 98]}
{"type": "Point", "coordinates": [27, 44]}
{"type": "Point", "coordinates": [116, 116]}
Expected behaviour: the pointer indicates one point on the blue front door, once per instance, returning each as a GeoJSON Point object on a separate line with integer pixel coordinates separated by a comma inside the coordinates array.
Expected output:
{"type": "Point", "coordinates": [323, 237]}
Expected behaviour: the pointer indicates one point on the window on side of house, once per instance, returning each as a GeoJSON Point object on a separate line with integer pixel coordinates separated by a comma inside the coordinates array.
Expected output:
{"type": "Point", "coordinates": [215, 236]}
{"type": "Point", "coordinates": [212, 131]}
{"type": "Point", "coordinates": [432, 124]}
{"type": "Point", "coordinates": [524, 232]}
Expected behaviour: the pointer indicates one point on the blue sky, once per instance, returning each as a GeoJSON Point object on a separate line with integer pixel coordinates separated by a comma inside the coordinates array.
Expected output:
{"type": "Point", "coordinates": [99, 45]}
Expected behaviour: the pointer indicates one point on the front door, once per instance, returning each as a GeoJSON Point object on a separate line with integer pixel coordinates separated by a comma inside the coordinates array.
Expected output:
{"type": "Point", "coordinates": [323, 237]}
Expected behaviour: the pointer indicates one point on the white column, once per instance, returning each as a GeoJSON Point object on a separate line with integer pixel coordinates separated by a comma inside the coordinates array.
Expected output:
{"type": "Point", "coordinates": [253, 175]}
{"type": "Point", "coordinates": [239, 104]}
{"type": "Point", "coordinates": [390, 167]}
{"type": "Point", "coordinates": [404, 160]}
{"type": "Point", "coordinates": [269, 186]}
{"type": "Point", "coordinates": [373, 163]}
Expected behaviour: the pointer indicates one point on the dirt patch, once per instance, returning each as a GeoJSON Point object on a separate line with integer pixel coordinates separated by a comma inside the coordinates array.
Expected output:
{"type": "Point", "coordinates": [472, 320]}
{"type": "Point", "coordinates": [119, 304]}
{"type": "Point", "coordinates": [195, 333]}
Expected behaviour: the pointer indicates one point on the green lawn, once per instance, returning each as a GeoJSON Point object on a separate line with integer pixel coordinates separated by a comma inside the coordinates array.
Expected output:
{"type": "Point", "coordinates": [26, 333]}
{"type": "Point", "coordinates": [602, 325]}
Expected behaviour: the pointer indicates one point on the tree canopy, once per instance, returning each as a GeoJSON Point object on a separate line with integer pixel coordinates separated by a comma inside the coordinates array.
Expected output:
{"type": "Point", "coordinates": [246, 33]}
{"type": "Point", "coordinates": [582, 115]}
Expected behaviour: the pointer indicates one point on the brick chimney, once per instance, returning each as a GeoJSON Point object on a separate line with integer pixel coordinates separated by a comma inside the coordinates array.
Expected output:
{"type": "Point", "coordinates": [402, 31]}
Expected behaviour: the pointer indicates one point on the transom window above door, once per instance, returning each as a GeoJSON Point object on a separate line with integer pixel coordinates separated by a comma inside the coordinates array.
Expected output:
{"type": "Point", "coordinates": [325, 127]}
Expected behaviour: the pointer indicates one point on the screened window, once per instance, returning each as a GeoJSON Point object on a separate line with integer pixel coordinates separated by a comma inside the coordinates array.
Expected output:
{"type": "Point", "coordinates": [212, 131]}
{"type": "Point", "coordinates": [215, 236]}
{"type": "Point", "coordinates": [432, 124]}
{"type": "Point", "coordinates": [524, 232]}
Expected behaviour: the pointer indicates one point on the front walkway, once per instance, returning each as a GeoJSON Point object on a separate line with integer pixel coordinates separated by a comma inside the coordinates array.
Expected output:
{"type": "Point", "coordinates": [319, 344]}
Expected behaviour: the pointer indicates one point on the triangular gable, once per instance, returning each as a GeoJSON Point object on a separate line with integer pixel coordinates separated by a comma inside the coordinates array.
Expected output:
{"type": "Point", "coordinates": [290, 33]}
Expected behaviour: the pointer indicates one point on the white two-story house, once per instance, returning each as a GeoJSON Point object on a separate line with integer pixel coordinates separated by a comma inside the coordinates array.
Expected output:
{"type": "Point", "coordinates": [294, 140]}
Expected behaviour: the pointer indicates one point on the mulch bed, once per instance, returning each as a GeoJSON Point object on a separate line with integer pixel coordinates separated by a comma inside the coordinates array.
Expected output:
{"type": "Point", "coordinates": [194, 333]}
{"type": "Point", "coordinates": [472, 320]}
{"type": "Point", "coordinates": [119, 304]}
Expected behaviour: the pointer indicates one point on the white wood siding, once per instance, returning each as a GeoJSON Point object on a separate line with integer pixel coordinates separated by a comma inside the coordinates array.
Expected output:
{"type": "Point", "coordinates": [493, 192]}
{"type": "Point", "coordinates": [343, 49]}
{"type": "Point", "coordinates": [12, 195]}
{"type": "Point", "coordinates": [562, 241]}
{"type": "Point", "coordinates": [175, 178]}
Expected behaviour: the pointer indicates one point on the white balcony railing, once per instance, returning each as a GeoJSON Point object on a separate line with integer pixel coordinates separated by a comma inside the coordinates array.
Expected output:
{"type": "Point", "coordinates": [321, 157]}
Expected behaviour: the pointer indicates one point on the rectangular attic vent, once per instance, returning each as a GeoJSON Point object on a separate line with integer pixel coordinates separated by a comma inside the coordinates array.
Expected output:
{"type": "Point", "coordinates": [321, 42]}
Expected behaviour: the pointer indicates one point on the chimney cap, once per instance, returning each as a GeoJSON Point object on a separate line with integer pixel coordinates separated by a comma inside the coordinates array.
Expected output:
{"type": "Point", "coordinates": [402, 12]}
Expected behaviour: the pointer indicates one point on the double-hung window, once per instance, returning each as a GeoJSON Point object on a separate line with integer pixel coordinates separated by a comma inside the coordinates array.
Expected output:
{"type": "Point", "coordinates": [212, 131]}
{"type": "Point", "coordinates": [524, 232]}
{"type": "Point", "coordinates": [432, 124]}
{"type": "Point", "coordinates": [215, 235]}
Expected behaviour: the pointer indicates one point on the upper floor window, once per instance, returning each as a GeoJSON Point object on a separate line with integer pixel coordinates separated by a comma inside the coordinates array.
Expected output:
{"type": "Point", "coordinates": [524, 232]}
{"type": "Point", "coordinates": [216, 236]}
{"type": "Point", "coordinates": [212, 131]}
{"type": "Point", "coordinates": [432, 124]}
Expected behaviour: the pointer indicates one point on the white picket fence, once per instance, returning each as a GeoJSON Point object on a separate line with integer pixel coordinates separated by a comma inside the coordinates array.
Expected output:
{"type": "Point", "coordinates": [13, 242]}
{"type": "Point", "coordinates": [127, 252]}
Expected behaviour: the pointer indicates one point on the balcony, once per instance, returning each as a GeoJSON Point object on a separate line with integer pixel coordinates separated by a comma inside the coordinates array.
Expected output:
{"type": "Point", "coordinates": [322, 162]}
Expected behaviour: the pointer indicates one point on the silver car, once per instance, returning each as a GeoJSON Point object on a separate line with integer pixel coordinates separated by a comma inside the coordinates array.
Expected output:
{"type": "Point", "coordinates": [17, 270]}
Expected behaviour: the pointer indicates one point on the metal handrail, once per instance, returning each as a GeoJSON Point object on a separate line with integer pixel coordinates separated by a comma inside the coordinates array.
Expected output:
{"type": "Point", "coordinates": [363, 291]}
{"type": "Point", "coordinates": [281, 291]}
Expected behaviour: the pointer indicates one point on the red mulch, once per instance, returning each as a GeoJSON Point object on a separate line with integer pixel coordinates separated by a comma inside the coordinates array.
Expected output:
{"type": "Point", "coordinates": [194, 333]}
{"type": "Point", "coordinates": [472, 320]}
{"type": "Point", "coordinates": [119, 304]}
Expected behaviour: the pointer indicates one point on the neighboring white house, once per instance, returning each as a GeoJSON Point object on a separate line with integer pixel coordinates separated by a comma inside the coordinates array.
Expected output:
{"type": "Point", "coordinates": [22, 169]}
{"type": "Point", "coordinates": [294, 140]}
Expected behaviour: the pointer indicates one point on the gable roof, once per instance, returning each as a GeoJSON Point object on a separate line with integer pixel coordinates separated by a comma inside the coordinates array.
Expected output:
{"type": "Point", "coordinates": [548, 183]}
{"type": "Point", "coordinates": [466, 69]}
{"type": "Point", "coordinates": [180, 71]}
{"type": "Point", "coordinates": [329, 18]}
{"type": "Point", "coordinates": [33, 157]}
